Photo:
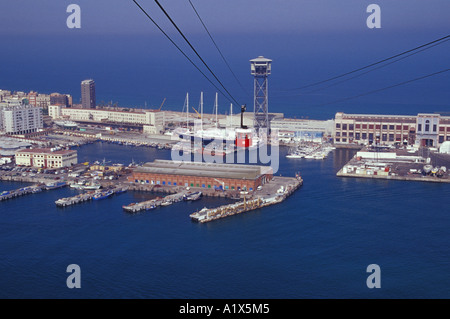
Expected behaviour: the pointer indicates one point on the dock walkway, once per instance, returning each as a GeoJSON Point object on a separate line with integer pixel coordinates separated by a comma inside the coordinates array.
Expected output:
{"type": "Point", "coordinates": [153, 203]}
{"type": "Point", "coordinates": [259, 201]}
{"type": "Point", "coordinates": [84, 197]}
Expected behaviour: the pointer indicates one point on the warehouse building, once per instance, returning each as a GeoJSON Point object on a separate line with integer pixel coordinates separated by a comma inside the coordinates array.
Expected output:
{"type": "Point", "coordinates": [47, 158]}
{"type": "Point", "coordinates": [202, 175]}
{"type": "Point", "coordinates": [421, 130]}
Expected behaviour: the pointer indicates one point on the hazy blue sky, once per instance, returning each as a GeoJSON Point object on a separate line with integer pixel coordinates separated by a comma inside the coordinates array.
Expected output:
{"type": "Point", "coordinates": [231, 16]}
{"type": "Point", "coordinates": [308, 40]}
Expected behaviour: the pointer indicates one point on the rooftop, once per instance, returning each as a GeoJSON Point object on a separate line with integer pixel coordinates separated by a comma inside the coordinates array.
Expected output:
{"type": "Point", "coordinates": [46, 151]}
{"type": "Point", "coordinates": [201, 169]}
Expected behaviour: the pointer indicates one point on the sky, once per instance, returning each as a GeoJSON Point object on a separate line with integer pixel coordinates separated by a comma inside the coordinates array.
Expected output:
{"type": "Point", "coordinates": [308, 40]}
{"type": "Point", "coordinates": [232, 16]}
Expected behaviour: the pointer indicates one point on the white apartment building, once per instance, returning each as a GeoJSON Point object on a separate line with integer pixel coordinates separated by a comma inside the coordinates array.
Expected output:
{"type": "Point", "coordinates": [21, 119]}
{"type": "Point", "coordinates": [138, 116]}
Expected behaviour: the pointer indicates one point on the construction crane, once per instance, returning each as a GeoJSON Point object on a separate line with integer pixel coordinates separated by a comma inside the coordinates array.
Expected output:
{"type": "Point", "coordinates": [198, 114]}
{"type": "Point", "coordinates": [162, 104]}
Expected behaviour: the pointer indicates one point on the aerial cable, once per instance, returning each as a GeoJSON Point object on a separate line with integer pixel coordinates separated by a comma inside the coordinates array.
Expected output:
{"type": "Point", "coordinates": [217, 47]}
{"type": "Point", "coordinates": [373, 64]}
{"type": "Point", "coordinates": [385, 88]}
{"type": "Point", "coordinates": [193, 49]}
{"type": "Point", "coordinates": [179, 49]}
{"type": "Point", "coordinates": [379, 67]}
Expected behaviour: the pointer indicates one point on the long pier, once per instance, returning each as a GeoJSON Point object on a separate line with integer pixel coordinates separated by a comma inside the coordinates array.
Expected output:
{"type": "Point", "coordinates": [207, 215]}
{"type": "Point", "coordinates": [29, 190]}
{"type": "Point", "coordinates": [84, 197]}
{"type": "Point", "coordinates": [153, 203]}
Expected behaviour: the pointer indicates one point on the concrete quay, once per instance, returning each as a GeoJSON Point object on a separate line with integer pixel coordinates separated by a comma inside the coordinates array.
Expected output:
{"type": "Point", "coordinates": [398, 165]}
{"type": "Point", "coordinates": [286, 186]}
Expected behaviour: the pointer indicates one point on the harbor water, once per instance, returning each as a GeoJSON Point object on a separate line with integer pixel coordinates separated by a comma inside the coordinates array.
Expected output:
{"type": "Point", "coordinates": [316, 244]}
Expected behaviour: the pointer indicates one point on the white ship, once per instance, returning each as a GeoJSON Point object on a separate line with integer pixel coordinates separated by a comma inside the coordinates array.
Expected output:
{"type": "Point", "coordinates": [66, 124]}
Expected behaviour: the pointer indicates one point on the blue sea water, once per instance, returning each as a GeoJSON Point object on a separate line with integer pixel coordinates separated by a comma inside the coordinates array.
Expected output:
{"type": "Point", "coordinates": [316, 244]}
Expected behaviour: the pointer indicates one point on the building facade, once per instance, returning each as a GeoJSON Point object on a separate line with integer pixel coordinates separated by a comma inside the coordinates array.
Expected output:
{"type": "Point", "coordinates": [421, 130]}
{"type": "Point", "coordinates": [202, 175]}
{"type": "Point", "coordinates": [46, 158]}
{"type": "Point", "coordinates": [59, 99]}
{"type": "Point", "coordinates": [153, 118]}
{"type": "Point", "coordinates": [88, 94]}
{"type": "Point", "coordinates": [302, 129]}
{"type": "Point", "coordinates": [21, 119]}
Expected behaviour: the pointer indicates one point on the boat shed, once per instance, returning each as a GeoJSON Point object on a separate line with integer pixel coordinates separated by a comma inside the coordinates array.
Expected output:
{"type": "Point", "coordinates": [202, 175]}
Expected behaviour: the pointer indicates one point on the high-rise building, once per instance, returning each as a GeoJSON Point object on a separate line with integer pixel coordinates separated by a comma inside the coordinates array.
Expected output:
{"type": "Point", "coordinates": [59, 99]}
{"type": "Point", "coordinates": [88, 94]}
{"type": "Point", "coordinates": [21, 119]}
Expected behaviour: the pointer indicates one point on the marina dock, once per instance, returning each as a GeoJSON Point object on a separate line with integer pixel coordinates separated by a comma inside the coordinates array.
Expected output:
{"type": "Point", "coordinates": [84, 197]}
{"type": "Point", "coordinates": [286, 187]}
{"type": "Point", "coordinates": [153, 203]}
{"type": "Point", "coordinates": [30, 190]}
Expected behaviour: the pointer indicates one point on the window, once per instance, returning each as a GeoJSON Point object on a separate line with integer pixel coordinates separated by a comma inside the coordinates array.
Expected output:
{"type": "Point", "coordinates": [364, 136]}
{"type": "Point", "coordinates": [441, 138]}
{"type": "Point", "coordinates": [391, 127]}
{"type": "Point", "coordinates": [350, 127]}
{"type": "Point", "coordinates": [357, 136]}
{"type": "Point", "coordinates": [391, 137]}
{"type": "Point", "coordinates": [344, 126]}
{"type": "Point", "coordinates": [427, 125]}
{"type": "Point", "coordinates": [434, 127]}
{"type": "Point", "coordinates": [371, 127]}
{"type": "Point", "coordinates": [419, 127]}
{"type": "Point", "coordinates": [384, 137]}
{"type": "Point", "coordinates": [338, 125]}
{"type": "Point", "coordinates": [384, 127]}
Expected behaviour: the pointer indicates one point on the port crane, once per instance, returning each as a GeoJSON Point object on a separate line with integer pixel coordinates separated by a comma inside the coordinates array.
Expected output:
{"type": "Point", "coordinates": [162, 104]}
{"type": "Point", "coordinates": [198, 114]}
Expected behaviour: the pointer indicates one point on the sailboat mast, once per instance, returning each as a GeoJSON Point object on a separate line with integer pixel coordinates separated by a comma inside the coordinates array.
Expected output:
{"type": "Point", "coordinates": [231, 115]}
{"type": "Point", "coordinates": [216, 106]}
{"type": "Point", "coordinates": [187, 110]}
{"type": "Point", "coordinates": [201, 112]}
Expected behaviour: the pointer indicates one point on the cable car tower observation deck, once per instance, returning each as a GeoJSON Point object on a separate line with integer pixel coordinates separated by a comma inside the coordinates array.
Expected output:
{"type": "Point", "coordinates": [261, 69]}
